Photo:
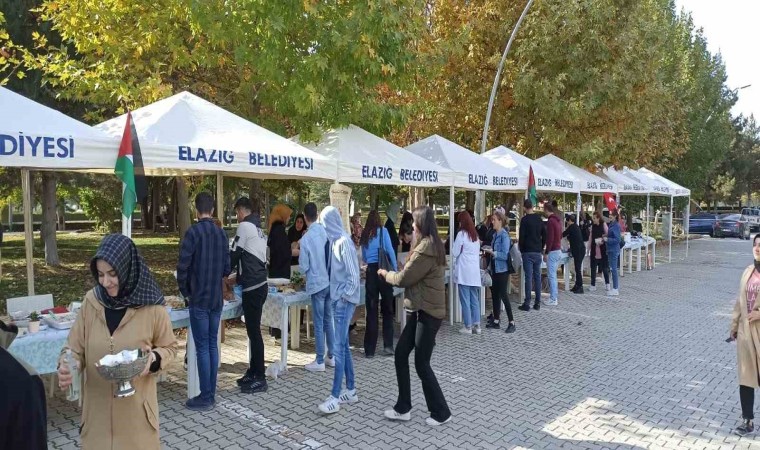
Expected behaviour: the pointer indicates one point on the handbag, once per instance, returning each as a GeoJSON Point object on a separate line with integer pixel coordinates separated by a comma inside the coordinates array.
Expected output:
{"type": "Point", "coordinates": [383, 261]}
{"type": "Point", "coordinates": [485, 278]}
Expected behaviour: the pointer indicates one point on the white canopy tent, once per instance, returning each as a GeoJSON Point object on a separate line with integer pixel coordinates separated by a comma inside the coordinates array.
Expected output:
{"type": "Point", "coordinates": [471, 171]}
{"type": "Point", "coordinates": [627, 185]}
{"type": "Point", "coordinates": [546, 179]}
{"type": "Point", "coordinates": [364, 158]}
{"type": "Point", "coordinates": [187, 135]}
{"type": "Point", "coordinates": [33, 136]}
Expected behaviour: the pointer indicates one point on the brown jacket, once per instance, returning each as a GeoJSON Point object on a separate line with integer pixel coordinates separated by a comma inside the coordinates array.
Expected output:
{"type": "Point", "coordinates": [422, 280]}
{"type": "Point", "coordinates": [747, 336]}
{"type": "Point", "coordinates": [119, 423]}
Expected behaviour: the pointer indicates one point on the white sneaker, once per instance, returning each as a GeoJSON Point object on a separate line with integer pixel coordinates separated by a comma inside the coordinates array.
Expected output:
{"type": "Point", "coordinates": [330, 361]}
{"type": "Point", "coordinates": [348, 396]}
{"type": "Point", "coordinates": [314, 366]}
{"type": "Point", "coordinates": [476, 329]}
{"type": "Point", "coordinates": [434, 423]}
{"type": "Point", "coordinates": [391, 414]}
{"type": "Point", "coordinates": [592, 288]}
{"type": "Point", "coordinates": [330, 406]}
{"type": "Point", "coordinates": [465, 330]}
{"type": "Point", "coordinates": [608, 287]}
{"type": "Point", "coordinates": [550, 302]}
{"type": "Point", "coordinates": [613, 293]}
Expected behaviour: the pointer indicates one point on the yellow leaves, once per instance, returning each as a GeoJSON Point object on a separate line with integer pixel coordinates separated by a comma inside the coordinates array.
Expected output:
{"type": "Point", "coordinates": [388, 69]}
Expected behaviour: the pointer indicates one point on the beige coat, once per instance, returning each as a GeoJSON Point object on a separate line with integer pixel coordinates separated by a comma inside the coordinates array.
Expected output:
{"type": "Point", "coordinates": [422, 280]}
{"type": "Point", "coordinates": [747, 336]}
{"type": "Point", "coordinates": [119, 423]}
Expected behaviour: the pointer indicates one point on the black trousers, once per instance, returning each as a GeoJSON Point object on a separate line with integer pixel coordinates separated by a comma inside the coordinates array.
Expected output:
{"type": "Point", "coordinates": [377, 288]}
{"type": "Point", "coordinates": [578, 255]}
{"type": "Point", "coordinates": [419, 335]}
{"type": "Point", "coordinates": [499, 295]}
{"type": "Point", "coordinates": [253, 305]}
{"type": "Point", "coordinates": [747, 399]}
{"type": "Point", "coordinates": [601, 265]}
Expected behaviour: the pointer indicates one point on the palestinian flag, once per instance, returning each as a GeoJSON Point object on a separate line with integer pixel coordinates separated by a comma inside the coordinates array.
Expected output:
{"type": "Point", "coordinates": [129, 169]}
{"type": "Point", "coordinates": [531, 193]}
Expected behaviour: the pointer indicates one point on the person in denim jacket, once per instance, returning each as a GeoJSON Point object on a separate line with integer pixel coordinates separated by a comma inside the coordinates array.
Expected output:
{"type": "Point", "coordinates": [613, 240]}
{"type": "Point", "coordinates": [499, 271]}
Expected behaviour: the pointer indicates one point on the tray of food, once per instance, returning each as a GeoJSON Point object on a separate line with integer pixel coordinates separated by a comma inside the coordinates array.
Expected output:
{"type": "Point", "coordinates": [62, 321]}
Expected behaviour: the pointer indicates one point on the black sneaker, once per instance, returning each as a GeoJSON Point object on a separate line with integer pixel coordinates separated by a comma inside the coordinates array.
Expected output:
{"type": "Point", "coordinates": [388, 351]}
{"type": "Point", "coordinates": [247, 379]}
{"type": "Point", "coordinates": [537, 306]}
{"type": "Point", "coordinates": [352, 326]}
{"type": "Point", "coordinates": [747, 427]}
{"type": "Point", "coordinates": [511, 328]}
{"type": "Point", "coordinates": [199, 404]}
{"type": "Point", "coordinates": [256, 386]}
{"type": "Point", "coordinates": [524, 307]}
{"type": "Point", "coordinates": [494, 325]}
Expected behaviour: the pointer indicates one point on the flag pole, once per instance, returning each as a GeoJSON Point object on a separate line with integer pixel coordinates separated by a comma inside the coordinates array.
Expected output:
{"type": "Point", "coordinates": [126, 222]}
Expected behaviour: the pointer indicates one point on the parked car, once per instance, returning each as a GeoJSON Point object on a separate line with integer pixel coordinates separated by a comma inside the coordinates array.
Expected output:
{"type": "Point", "coordinates": [752, 215]}
{"type": "Point", "coordinates": [702, 223]}
{"type": "Point", "coordinates": [732, 225]}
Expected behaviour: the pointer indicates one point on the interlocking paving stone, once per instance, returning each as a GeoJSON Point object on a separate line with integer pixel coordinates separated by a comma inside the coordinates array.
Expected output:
{"type": "Point", "coordinates": [646, 370]}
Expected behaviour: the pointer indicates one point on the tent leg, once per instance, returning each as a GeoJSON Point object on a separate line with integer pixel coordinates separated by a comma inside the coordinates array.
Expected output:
{"type": "Point", "coordinates": [670, 235]}
{"type": "Point", "coordinates": [220, 197]}
{"type": "Point", "coordinates": [686, 223]}
{"type": "Point", "coordinates": [26, 182]}
{"type": "Point", "coordinates": [451, 252]}
{"type": "Point", "coordinates": [647, 217]}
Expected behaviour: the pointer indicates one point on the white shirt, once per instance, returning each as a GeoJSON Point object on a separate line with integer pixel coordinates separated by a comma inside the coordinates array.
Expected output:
{"type": "Point", "coordinates": [466, 255]}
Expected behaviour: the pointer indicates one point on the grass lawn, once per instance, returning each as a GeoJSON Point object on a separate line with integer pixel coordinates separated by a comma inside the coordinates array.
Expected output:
{"type": "Point", "coordinates": [72, 279]}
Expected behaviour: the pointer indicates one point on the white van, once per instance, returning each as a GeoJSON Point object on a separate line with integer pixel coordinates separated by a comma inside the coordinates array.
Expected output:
{"type": "Point", "coordinates": [752, 215]}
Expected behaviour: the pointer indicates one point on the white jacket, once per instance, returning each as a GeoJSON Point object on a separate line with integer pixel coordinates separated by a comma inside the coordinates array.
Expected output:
{"type": "Point", "coordinates": [466, 254]}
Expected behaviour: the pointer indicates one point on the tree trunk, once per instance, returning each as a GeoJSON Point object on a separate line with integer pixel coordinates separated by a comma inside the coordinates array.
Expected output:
{"type": "Point", "coordinates": [469, 203]}
{"type": "Point", "coordinates": [183, 207]}
{"type": "Point", "coordinates": [373, 197]}
{"type": "Point", "coordinates": [155, 202]}
{"type": "Point", "coordinates": [145, 219]}
{"type": "Point", "coordinates": [49, 219]}
{"type": "Point", "coordinates": [171, 210]}
{"type": "Point", "coordinates": [418, 197]}
{"type": "Point", "coordinates": [256, 194]}
{"type": "Point", "coordinates": [61, 213]}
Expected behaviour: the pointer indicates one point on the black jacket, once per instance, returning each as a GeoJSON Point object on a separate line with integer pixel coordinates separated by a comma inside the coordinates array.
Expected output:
{"type": "Point", "coordinates": [23, 411]}
{"type": "Point", "coordinates": [391, 227]}
{"type": "Point", "coordinates": [249, 255]}
{"type": "Point", "coordinates": [532, 234]}
{"type": "Point", "coordinates": [279, 252]}
{"type": "Point", "coordinates": [574, 235]}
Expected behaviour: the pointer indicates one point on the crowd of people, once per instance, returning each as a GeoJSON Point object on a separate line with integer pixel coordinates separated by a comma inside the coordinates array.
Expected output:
{"type": "Point", "coordinates": [125, 309]}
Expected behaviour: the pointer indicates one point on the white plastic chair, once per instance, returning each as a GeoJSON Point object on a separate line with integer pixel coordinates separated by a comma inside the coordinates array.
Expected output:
{"type": "Point", "coordinates": [30, 303]}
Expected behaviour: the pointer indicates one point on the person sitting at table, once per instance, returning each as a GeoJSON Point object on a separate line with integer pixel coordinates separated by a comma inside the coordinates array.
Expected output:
{"type": "Point", "coordinates": [204, 262]}
{"type": "Point", "coordinates": [373, 238]}
{"type": "Point", "coordinates": [124, 311]}
{"type": "Point", "coordinates": [295, 233]}
{"type": "Point", "coordinates": [345, 280]}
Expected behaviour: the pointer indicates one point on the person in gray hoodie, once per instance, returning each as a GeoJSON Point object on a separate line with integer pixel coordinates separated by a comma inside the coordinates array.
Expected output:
{"type": "Point", "coordinates": [343, 270]}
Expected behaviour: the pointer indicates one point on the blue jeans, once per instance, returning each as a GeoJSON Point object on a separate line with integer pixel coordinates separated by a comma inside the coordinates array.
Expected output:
{"type": "Point", "coordinates": [614, 259]}
{"type": "Point", "coordinates": [469, 297]}
{"type": "Point", "coordinates": [322, 314]}
{"type": "Point", "coordinates": [205, 326]}
{"type": "Point", "coordinates": [532, 268]}
{"type": "Point", "coordinates": [344, 365]}
{"type": "Point", "coordinates": [552, 265]}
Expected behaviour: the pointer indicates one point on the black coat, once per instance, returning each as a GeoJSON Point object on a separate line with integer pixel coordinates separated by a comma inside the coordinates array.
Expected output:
{"type": "Point", "coordinates": [279, 252]}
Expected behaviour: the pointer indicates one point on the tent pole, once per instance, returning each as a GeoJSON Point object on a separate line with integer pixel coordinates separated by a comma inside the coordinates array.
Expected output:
{"type": "Point", "coordinates": [686, 215]}
{"type": "Point", "coordinates": [26, 188]}
{"type": "Point", "coordinates": [647, 218]}
{"type": "Point", "coordinates": [670, 234]}
{"type": "Point", "coordinates": [220, 213]}
{"type": "Point", "coordinates": [451, 255]}
{"type": "Point", "coordinates": [126, 222]}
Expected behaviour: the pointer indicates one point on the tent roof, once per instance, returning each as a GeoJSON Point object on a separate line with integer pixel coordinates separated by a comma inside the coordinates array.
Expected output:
{"type": "Point", "coordinates": [36, 136]}
{"type": "Point", "coordinates": [676, 190]}
{"type": "Point", "coordinates": [365, 158]}
{"type": "Point", "coordinates": [547, 180]}
{"type": "Point", "coordinates": [587, 182]}
{"type": "Point", "coordinates": [626, 184]}
{"type": "Point", "coordinates": [471, 171]}
{"type": "Point", "coordinates": [654, 185]}
{"type": "Point", "coordinates": [187, 134]}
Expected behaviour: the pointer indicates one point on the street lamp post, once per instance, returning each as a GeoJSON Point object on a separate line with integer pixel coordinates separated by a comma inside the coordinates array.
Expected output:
{"type": "Point", "coordinates": [480, 207]}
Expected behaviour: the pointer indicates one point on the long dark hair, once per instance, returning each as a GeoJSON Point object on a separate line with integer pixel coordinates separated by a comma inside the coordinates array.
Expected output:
{"type": "Point", "coordinates": [466, 225]}
{"type": "Point", "coordinates": [424, 220]}
{"type": "Point", "coordinates": [370, 229]}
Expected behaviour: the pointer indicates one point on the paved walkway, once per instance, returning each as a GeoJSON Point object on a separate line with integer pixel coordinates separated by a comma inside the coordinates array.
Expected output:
{"type": "Point", "coordinates": [648, 370]}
